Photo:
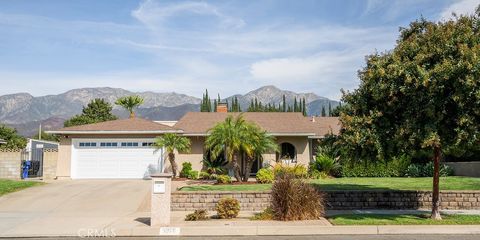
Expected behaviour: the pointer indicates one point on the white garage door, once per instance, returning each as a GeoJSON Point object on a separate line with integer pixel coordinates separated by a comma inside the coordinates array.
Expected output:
{"type": "Point", "coordinates": [112, 158]}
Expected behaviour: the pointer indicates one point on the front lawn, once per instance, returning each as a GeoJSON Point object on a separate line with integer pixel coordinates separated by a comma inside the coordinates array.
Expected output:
{"type": "Point", "coordinates": [8, 186]}
{"type": "Point", "coordinates": [446, 183]}
{"type": "Point", "coordinates": [390, 219]}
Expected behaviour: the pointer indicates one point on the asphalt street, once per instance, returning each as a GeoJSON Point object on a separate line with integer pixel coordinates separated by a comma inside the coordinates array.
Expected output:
{"type": "Point", "coordinates": [323, 237]}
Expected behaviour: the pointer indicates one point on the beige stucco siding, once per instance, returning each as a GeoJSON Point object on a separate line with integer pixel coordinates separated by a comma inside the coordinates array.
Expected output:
{"type": "Point", "coordinates": [64, 157]}
{"type": "Point", "coordinates": [195, 156]}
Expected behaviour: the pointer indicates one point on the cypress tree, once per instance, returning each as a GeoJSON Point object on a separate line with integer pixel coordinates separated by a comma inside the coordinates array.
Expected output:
{"type": "Point", "coordinates": [329, 109]}
{"type": "Point", "coordinates": [323, 111]}
{"type": "Point", "coordinates": [284, 104]}
{"type": "Point", "coordinates": [304, 107]}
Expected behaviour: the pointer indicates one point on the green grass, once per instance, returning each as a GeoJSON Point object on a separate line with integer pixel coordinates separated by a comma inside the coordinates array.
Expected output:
{"type": "Point", "coordinates": [387, 219]}
{"type": "Point", "coordinates": [446, 183]}
{"type": "Point", "coordinates": [8, 186]}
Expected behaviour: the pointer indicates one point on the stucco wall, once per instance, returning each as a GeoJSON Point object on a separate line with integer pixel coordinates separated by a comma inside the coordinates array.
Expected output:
{"type": "Point", "coordinates": [195, 156]}
{"type": "Point", "coordinates": [10, 163]}
{"type": "Point", "coordinates": [64, 157]}
{"type": "Point", "coordinates": [470, 169]}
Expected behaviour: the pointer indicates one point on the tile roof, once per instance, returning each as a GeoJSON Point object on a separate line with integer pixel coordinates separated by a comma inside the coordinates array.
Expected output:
{"type": "Point", "coordinates": [120, 125]}
{"type": "Point", "coordinates": [277, 123]}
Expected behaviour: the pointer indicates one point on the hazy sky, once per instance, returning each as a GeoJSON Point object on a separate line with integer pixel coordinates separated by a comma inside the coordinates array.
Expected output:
{"type": "Point", "coordinates": [50, 46]}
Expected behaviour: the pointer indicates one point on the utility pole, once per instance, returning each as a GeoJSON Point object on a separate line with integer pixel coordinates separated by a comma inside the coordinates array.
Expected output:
{"type": "Point", "coordinates": [40, 132]}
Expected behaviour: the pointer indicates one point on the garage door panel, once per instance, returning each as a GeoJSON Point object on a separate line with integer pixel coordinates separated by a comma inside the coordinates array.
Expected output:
{"type": "Point", "coordinates": [126, 162]}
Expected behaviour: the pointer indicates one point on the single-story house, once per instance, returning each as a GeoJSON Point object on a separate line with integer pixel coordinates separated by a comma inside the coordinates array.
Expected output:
{"type": "Point", "coordinates": [2, 141]}
{"type": "Point", "coordinates": [123, 148]}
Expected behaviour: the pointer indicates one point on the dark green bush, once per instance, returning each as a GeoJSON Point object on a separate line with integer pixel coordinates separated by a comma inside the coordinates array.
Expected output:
{"type": "Point", "coordinates": [228, 208]}
{"type": "Point", "coordinates": [396, 167]}
{"type": "Point", "coordinates": [223, 179]}
{"type": "Point", "coordinates": [197, 215]}
{"type": "Point", "coordinates": [426, 170]}
{"type": "Point", "coordinates": [265, 175]}
{"type": "Point", "coordinates": [324, 166]}
{"type": "Point", "coordinates": [186, 169]}
{"type": "Point", "coordinates": [294, 199]}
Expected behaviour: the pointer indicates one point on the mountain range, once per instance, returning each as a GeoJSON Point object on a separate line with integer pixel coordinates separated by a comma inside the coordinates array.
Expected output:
{"type": "Point", "coordinates": [26, 112]}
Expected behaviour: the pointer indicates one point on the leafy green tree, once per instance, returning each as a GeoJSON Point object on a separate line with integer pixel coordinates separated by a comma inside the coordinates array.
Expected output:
{"type": "Point", "coordinates": [47, 137]}
{"type": "Point", "coordinates": [230, 136]}
{"type": "Point", "coordinates": [172, 142]}
{"type": "Point", "coordinates": [98, 110]}
{"type": "Point", "coordinates": [422, 95]}
{"type": "Point", "coordinates": [130, 103]}
{"type": "Point", "coordinates": [259, 142]}
{"type": "Point", "coordinates": [10, 135]}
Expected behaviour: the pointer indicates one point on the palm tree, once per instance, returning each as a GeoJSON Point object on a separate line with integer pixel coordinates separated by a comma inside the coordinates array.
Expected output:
{"type": "Point", "coordinates": [230, 136]}
{"type": "Point", "coordinates": [130, 103]}
{"type": "Point", "coordinates": [260, 143]}
{"type": "Point", "coordinates": [172, 142]}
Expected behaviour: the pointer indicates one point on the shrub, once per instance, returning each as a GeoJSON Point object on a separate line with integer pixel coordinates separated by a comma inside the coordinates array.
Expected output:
{"type": "Point", "coordinates": [197, 215]}
{"type": "Point", "coordinates": [228, 208]}
{"type": "Point", "coordinates": [186, 169]}
{"type": "Point", "coordinates": [204, 175]}
{"type": "Point", "coordinates": [193, 175]}
{"type": "Point", "coordinates": [396, 167]}
{"type": "Point", "coordinates": [426, 170]}
{"type": "Point", "coordinates": [325, 165]}
{"type": "Point", "coordinates": [297, 170]}
{"type": "Point", "coordinates": [214, 166]}
{"type": "Point", "coordinates": [265, 175]}
{"type": "Point", "coordinates": [266, 214]}
{"type": "Point", "coordinates": [223, 179]}
{"type": "Point", "coordinates": [294, 199]}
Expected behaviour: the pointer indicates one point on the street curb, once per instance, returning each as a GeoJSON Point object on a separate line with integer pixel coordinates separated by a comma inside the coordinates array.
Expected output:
{"type": "Point", "coordinates": [286, 230]}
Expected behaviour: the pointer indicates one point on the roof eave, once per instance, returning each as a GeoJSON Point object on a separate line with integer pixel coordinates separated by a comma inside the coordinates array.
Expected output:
{"type": "Point", "coordinates": [113, 132]}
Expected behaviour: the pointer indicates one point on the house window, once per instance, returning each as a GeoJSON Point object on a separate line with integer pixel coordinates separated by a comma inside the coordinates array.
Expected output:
{"type": "Point", "coordinates": [129, 144]}
{"type": "Point", "coordinates": [287, 153]}
{"type": "Point", "coordinates": [147, 144]}
{"type": "Point", "coordinates": [87, 144]}
{"type": "Point", "coordinates": [108, 144]}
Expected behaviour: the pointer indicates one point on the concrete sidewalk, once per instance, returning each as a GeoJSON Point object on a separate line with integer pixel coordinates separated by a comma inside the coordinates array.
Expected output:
{"type": "Point", "coordinates": [137, 225]}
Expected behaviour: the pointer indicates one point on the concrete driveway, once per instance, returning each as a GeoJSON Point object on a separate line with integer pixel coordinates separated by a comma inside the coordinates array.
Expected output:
{"type": "Point", "coordinates": [72, 208]}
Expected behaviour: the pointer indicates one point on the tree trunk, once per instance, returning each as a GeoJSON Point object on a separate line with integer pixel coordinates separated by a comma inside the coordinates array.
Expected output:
{"type": "Point", "coordinates": [248, 169]}
{"type": "Point", "coordinates": [436, 187]}
{"type": "Point", "coordinates": [132, 114]}
{"type": "Point", "coordinates": [171, 158]}
{"type": "Point", "coordinates": [236, 168]}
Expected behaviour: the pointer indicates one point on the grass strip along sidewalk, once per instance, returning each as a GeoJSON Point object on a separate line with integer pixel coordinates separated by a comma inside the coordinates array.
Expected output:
{"type": "Point", "coordinates": [446, 183]}
{"type": "Point", "coordinates": [8, 186]}
{"type": "Point", "coordinates": [404, 219]}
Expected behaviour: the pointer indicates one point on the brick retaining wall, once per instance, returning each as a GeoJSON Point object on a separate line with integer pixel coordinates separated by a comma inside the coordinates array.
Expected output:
{"type": "Point", "coordinates": [257, 201]}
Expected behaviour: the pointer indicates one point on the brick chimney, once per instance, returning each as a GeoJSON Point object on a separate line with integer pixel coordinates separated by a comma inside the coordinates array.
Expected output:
{"type": "Point", "coordinates": [222, 107]}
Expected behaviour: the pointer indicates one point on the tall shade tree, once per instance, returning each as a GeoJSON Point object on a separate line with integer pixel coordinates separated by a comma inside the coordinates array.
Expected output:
{"type": "Point", "coordinates": [230, 137]}
{"type": "Point", "coordinates": [130, 103]}
{"type": "Point", "coordinates": [259, 142]}
{"type": "Point", "coordinates": [97, 110]}
{"type": "Point", "coordinates": [424, 94]}
{"type": "Point", "coordinates": [172, 142]}
{"type": "Point", "coordinates": [10, 135]}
